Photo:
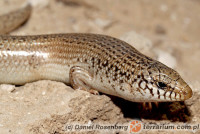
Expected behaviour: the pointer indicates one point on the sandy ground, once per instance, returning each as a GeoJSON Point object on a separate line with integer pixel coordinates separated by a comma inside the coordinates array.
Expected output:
{"type": "Point", "coordinates": [165, 30]}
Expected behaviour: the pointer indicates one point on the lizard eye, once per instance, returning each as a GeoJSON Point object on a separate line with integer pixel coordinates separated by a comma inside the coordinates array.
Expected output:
{"type": "Point", "coordinates": [161, 85]}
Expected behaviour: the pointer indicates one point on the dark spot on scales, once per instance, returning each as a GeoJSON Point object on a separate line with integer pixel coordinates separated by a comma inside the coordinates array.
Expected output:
{"type": "Point", "coordinates": [122, 73]}
{"type": "Point", "coordinates": [105, 64]}
{"type": "Point", "coordinates": [121, 89]}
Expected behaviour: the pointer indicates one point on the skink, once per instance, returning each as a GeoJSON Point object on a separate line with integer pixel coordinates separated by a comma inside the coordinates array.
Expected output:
{"type": "Point", "coordinates": [89, 62]}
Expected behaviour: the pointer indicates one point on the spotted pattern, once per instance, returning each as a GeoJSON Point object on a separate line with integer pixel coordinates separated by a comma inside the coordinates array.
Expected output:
{"type": "Point", "coordinates": [124, 70]}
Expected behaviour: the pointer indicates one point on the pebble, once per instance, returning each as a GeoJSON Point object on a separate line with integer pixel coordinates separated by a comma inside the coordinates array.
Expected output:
{"type": "Point", "coordinates": [159, 29]}
{"type": "Point", "coordinates": [39, 3]}
{"type": "Point", "coordinates": [6, 87]}
{"type": "Point", "coordinates": [138, 41]}
{"type": "Point", "coordinates": [166, 58]}
{"type": "Point", "coordinates": [102, 23]}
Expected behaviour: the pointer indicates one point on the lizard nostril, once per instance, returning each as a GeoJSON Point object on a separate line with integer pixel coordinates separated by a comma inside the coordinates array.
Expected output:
{"type": "Point", "coordinates": [187, 92]}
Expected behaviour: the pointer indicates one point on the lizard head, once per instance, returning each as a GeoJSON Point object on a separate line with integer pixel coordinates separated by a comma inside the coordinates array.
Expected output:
{"type": "Point", "coordinates": [168, 84]}
{"type": "Point", "coordinates": [157, 83]}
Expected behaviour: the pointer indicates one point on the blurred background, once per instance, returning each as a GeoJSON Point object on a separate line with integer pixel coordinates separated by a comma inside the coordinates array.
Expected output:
{"type": "Point", "coordinates": [166, 30]}
{"type": "Point", "coordinates": [171, 27]}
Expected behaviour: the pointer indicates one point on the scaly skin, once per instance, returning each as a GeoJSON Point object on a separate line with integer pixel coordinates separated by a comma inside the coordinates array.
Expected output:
{"type": "Point", "coordinates": [90, 61]}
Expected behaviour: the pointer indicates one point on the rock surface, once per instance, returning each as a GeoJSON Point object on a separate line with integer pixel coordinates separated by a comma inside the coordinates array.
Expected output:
{"type": "Point", "coordinates": [158, 29]}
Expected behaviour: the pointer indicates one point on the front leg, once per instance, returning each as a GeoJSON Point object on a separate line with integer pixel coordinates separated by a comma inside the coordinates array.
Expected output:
{"type": "Point", "coordinates": [82, 79]}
